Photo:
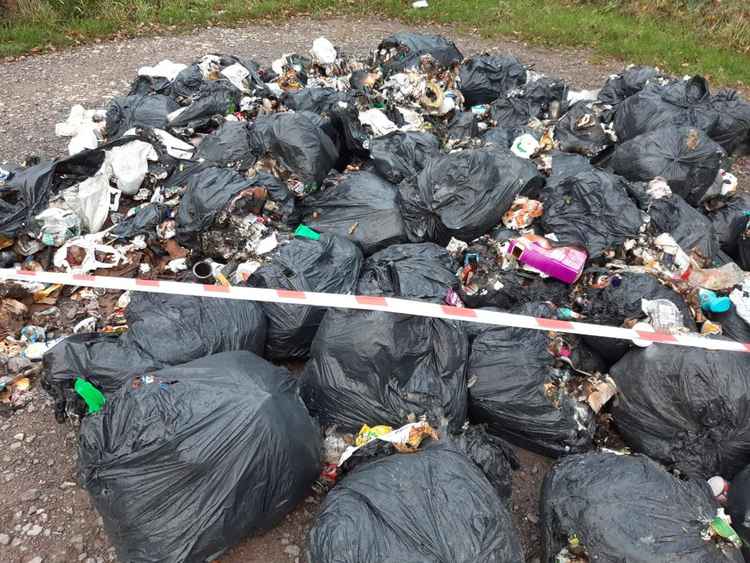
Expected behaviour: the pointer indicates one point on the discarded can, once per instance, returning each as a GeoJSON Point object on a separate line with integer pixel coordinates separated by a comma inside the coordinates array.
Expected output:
{"type": "Point", "coordinates": [564, 263]}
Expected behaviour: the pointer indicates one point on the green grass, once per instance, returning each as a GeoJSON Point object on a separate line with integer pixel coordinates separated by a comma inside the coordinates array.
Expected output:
{"type": "Point", "coordinates": [680, 36]}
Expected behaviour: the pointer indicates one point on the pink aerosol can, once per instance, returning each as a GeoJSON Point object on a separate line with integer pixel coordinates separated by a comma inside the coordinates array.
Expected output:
{"type": "Point", "coordinates": [564, 263]}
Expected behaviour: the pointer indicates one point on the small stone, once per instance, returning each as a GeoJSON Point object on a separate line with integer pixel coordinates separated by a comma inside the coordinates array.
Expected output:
{"type": "Point", "coordinates": [6, 459]}
{"type": "Point", "coordinates": [4, 539]}
{"type": "Point", "coordinates": [292, 550]}
{"type": "Point", "coordinates": [77, 543]}
{"type": "Point", "coordinates": [284, 541]}
{"type": "Point", "coordinates": [47, 533]}
{"type": "Point", "coordinates": [535, 470]}
{"type": "Point", "coordinates": [34, 531]}
{"type": "Point", "coordinates": [31, 494]}
{"type": "Point", "coordinates": [82, 556]}
{"type": "Point", "coordinates": [50, 462]}
{"type": "Point", "coordinates": [30, 439]}
{"type": "Point", "coordinates": [67, 485]}
{"type": "Point", "coordinates": [15, 445]}
{"type": "Point", "coordinates": [20, 436]}
{"type": "Point", "coordinates": [90, 560]}
{"type": "Point", "coordinates": [30, 408]}
{"type": "Point", "coordinates": [36, 559]}
{"type": "Point", "coordinates": [16, 542]}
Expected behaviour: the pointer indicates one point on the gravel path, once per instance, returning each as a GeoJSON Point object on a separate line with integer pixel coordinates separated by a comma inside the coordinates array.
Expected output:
{"type": "Point", "coordinates": [44, 516]}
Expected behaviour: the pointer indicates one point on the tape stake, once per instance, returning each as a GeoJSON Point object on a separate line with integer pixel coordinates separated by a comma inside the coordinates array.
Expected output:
{"type": "Point", "coordinates": [372, 303]}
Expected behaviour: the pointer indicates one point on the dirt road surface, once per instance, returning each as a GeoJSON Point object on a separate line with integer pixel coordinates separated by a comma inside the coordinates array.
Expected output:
{"type": "Point", "coordinates": [44, 516]}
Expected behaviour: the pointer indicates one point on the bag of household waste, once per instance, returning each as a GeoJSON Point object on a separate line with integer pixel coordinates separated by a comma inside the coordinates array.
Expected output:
{"type": "Point", "coordinates": [329, 264]}
{"type": "Point", "coordinates": [592, 209]}
{"type": "Point", "coordinates": [163, 330]}
{"type": "Point", "coordinates": [403, 51]}
{"type": "Point", "coordinates": [229, 145]}
{"type": "Point", "coordinates": [485, 78]}
{"type": "Point", "coordinates": [684, 156]}
{"type": "Point", "coordinates": [581, 130]}
{"type": "Point", "coordinates": [738, 508]}
{"type": "Point", "coordinates": [610, 507]}
{"type": "Point", "coordinates": [630, 81]}
{"type": "Point", "coordinates": [374, 367]}
{"type": "Point", "coordinates": [685, 407]}
{"type": "Point", "coordinates": [464, 194]}
{"type": "Point", "coordinates": [185, 462]}
{"type": "Point", "coordinates": [431, 505]}
{"type": "Point", "coordinates": [524, 386]}
{"type": "Point", "coordinates": [126, 112]}
{"type": "Point", "coordinates": [399, 155]}
{"type": "Point", "coordinates": [414, 271]}
{"type": "Point", "coordinates": [360, 206]}
{"type": "Point", "coordinates": [729, 222]}
{"type": "Point", "coordinates": [612, 299]}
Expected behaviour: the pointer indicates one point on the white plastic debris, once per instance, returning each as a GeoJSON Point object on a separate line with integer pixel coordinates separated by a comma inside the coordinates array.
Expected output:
{"type": "Point", "coordinates": [79, 118]}
{"type": "Point", "coordinates": [377, 121]}
{"type": "Point", "coordinates": [176, 148]}
{"type": "Point", "coordinates": [236, 74]}
{"type": "Point", "coordinates": [86, 325]}
{"type": "Point", "coordinates": [85, 139]}
{"type": "Point", "coordinates": [420, 4]}
{"type": "Point", "coordinates": [525, 146]}
{"type": "Point", "coordinates": [323, 52]}
{"type": "Point", "coordinates": [177, 265]}
{"type": "Point", "coordinates": [92, 246]}
{"type": "Point", "coordinates": [728, 183]}
{"type": "Point", "coordinates": [58, 224]}
{"type": "Point", "coordinates": [582, 95]}
{"type": "Point", "coordinates": [266, 245]}
{"type": "Point", "coordinates": [658, 188]}
{"type": "Point", "coordinates": [91, 200]}
{"type": "Point", "coordinates": [210, 66]}
{"type": "Point", "coordinates": [663, 315]}
{"type": "Point", "coordinates": [165, 69]}
{"type": "Point", "coordinates": [129, 164]}
{"type": "Point", "coordinates": [740, 298]}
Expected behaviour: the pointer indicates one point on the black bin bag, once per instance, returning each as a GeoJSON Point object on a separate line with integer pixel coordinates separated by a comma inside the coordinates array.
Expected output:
{"type": "Point", "coordinates": [402, 154]}
{"type": "Point", "coordinates": [684, 156]}
{"type": "Point", "coordinates": [485, 78]}
{"type": "Point", "coordinates": [730, 221]}
{"type": "Point", "coordinates": [591, 209]}
{"type": "Point", "coordinates": [415, 271]}
{"type": "Point", "coordinates": [464, 194]}
{"type": "Point", "coordinates": [186, 462]}
{"type": "Point", "coordinates": [433, 505]}
{"type": "Point", "coordinates": [126, 112]}
{"type": "Point", "coordinates": [519, 390]}
{"type": "Point", "coordinates": [360, 206]}
{"type": "Point", "coordinates": [373, 367]}
{"type": "Point", "coordinates": [163, 330]}
{"type": "Point", "coordinates": [690, 228]}
{"type": "Point", "coordinates": [328, 265]}
{"type": "Point", "coordinates": [627, 508]}
{"type": "Point", "coordinates": [403, 50]}
{"type": "Point", "coordinates": [686, 407]}
{"type": "Point", "coordinates": [630, 81]}
{"type": "Point", "coordinates": [738, 508]}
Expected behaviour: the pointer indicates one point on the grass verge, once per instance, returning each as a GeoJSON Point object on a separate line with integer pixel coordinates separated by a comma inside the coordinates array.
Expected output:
{"type": "Point", "coordinates": [681, 43]}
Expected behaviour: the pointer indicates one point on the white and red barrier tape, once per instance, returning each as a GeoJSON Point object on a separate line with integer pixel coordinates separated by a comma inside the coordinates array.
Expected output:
{"type": "Point", "coordinates": [371, 303]}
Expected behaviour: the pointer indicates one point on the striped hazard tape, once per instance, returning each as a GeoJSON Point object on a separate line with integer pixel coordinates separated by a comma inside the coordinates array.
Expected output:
{"type": "Point", "coordinates": [372, 303]}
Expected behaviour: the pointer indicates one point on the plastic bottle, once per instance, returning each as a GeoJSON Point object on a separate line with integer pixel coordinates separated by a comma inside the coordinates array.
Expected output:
{"type": "Point", "coordinates": [564, 263]}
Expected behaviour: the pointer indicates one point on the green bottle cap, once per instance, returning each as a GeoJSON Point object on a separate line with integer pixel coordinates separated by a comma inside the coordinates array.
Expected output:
{"type": "Point", "coordinates": [306, 232]}
{"type": "Point", "coordinates": [94, 398]}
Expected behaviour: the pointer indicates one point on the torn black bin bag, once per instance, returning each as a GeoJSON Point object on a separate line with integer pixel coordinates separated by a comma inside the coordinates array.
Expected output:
{"type": "Point", "coordinates": [684, 156]}
{"type": "Point", "coordinates": [403, 50]}
{"type": "Point", "coordinates": [373, 367]}
{"type": "Point", "coordinates": [627, 508]}
{"type": "Point", "coordinates": [360, 206]}
{"type": "Point", "coordinates": [511, 112]}
{"type": "Point", "coordinates": [581, 130]}
{"type": "Point", "coordinates": [145, 85]}
{"type": "Point", "coordinates": [402, 154]}
{"type": "Point", "coordinates": [591, 209]}
{"type": "Point", "coordinates": [462, 126]}
{"type": "Point", "coordinates": [330, 264]}
{"type": "Point", "coordinates": [27, 191]}
{"type": "Point", "coordinates": [484, 78]}
{"type": "Point", "coordinates": [144, 222]}
{"type": "Point", "coordinates": [730, 221]}
{"type": "Point", "coordinates": [215, 98]}
{"type": "Point", "coordinates": [732, 127]}
{"type": "Point", "coordinates": [630, 81]}
{"type": "Point", "coordinates": [547, 97]}
{"type": "Point", "coordinates": [188, 82]}
{"type": "Point", "coordinates": [299, 146]}
{"type": "Point", "coordinates": [738, 508]}
{"type": "Point", "coordinates": [229, 145]}
{"type": "Point", "coordinates": [519, 389]}
{"type": "Point", "coordinates": [464, 194]}
{"type": "Point", "coordinates": [163, 330]}
{"type": "Point", "coordinates": [685, 407]}
{"type": "Point", "coordinates": [619, 300]}
{"type": "Point", "coordinates": [415, 271]}
{"type": "Point", "coordinates": [185, 463]}
{"type": "Point", "coordinates": [126, 112]}
{"type": "Point", "coordinates": [432, 505]}
{"type": "Point", "coordinates": [690, 228]}
{"type": "Point", "coordinates": [679, 103]}
{"type": "Point", "coordinates": [316, 100]}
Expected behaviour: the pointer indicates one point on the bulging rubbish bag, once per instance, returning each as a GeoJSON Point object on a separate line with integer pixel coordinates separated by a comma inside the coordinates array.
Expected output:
{"type": "Point", "coordinates": [415, 271]}
{"type": "Point", "coordinates": [360, 206]}
{"type": "Point", "coordinates": [400, 155]}
{"type": "Point", "coordinates": [403, 50]}
{"type": "Point", "coordinates": [330, 264]}
{"type": "Point", "coordinates": [464, 194]}
{"type": "Point", "coordinates": [519, 387]}
{"type": "Point", "coordinates": [432, 505]}
{"type": "Point", "coordinates": [184, 462]}
{"type": "Point", "coordinates": [373, 367]}
{"type": "Point", "coordinates": [684, 156]}
{"type": "Point", "coordinates": [686, 407]}
{"type": "Point", "coordinates": [630, 81]}
{"type": "Point", "coordinates": [126, 112]}
{"type": "Point", "coordinates": [738, 507]}
{"type": "Point", "coordinates": [485, 78]}
{"type": "Point", "coordinates": [608, 507]}
{"type": "Point", "coordinates": [163, 330]}
{"type": "Point", "coordinates": [730, 221]}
